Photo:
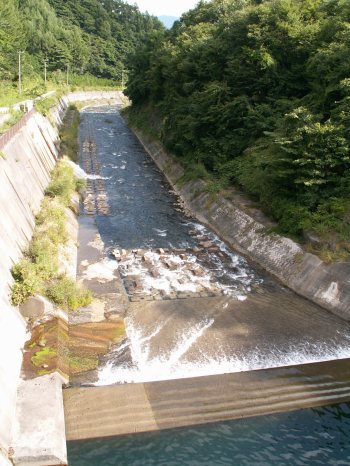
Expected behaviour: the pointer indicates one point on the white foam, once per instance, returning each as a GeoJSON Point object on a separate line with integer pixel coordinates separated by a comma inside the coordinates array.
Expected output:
{"type": "Point", "coordinates": [97, 177]}
{"type": "Point", "coordinates": [169, 369]}
{"type": "Point", "coordinates": [103, 270]}
{"type": "Point", "coordinates": [176, 278]}
{"type": "Point", "coordinates": [81, 174]}
{"type": "Point", "coordinates": [145, 368]}
{"type": "Point", "coordinates": [78, 171]}
{"type": "Point", "coordinates": [183, 273]}
{"type": "Point", "coordinates": [161, 233]}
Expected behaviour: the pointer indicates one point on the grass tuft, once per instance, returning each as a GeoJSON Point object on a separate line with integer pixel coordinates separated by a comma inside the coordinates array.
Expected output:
{"type": "Point", "coordinates": [38, 272]}
{"type": "Point", "coordinates": [64, 292]}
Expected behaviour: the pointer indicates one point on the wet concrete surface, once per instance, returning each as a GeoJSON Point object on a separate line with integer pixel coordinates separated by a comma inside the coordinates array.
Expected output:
{"type": "Point", "coordinates": [97, 412]}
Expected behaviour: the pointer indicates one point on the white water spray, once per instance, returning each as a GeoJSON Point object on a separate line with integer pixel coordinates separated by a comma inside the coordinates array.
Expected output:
{"type": "Point", "coordinates": [145, 368]}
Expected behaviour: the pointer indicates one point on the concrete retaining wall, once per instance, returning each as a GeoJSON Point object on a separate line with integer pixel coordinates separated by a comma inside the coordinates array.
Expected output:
{"type": "Point", "coordinates": [81, 96]}
{"type": "Point", "coordinates": [325, 284]}
{"type": "Point", "coordinates": [29, 157]}
{"type": "Point", "coordinates": [28, 154]}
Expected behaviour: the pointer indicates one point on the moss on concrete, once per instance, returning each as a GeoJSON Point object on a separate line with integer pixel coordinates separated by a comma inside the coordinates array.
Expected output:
{"type": "Point", "coordinates": [79, 364]}
{"type": "Point", "coordinates": [70, 350]}
{"type": "Point", "coordinates": [44, 356]}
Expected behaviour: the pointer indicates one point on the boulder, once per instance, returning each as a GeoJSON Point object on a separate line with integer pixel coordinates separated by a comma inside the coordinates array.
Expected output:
{"type": "Point", "coordinates": [155, 273]}
{"type": "Point", "coordinates": [312, 238]}
{"type": "Point", "coordinates": [116, 254]}
{"type": "Point", "coordinates": [206, 244]}
{"type": "Point", "coordinates": [36, 307]}
{"type": "Point", "coordinates": [198, 271]}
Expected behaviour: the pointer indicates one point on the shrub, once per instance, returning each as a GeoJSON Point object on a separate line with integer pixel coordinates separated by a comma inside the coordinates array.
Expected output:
{"type": "Point", "coordinates": [67, 294]}
{"type": "Point", "coordinates": [16, 115]}
{"type": "Point", "coordinates": [194, 171]}
{"type": "Point", "coordinates": [213, 187]}
{"type": "Point", "coordinates": [80, 185]}
{"type": "Point", "coordinates": [28, 281]}
{"type": "Point", "coordinates": [44, 105]}
{"type": "Point", "coordinates": [63, 183]}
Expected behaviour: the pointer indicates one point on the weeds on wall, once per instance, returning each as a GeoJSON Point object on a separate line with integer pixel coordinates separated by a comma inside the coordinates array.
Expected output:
{"type": "Point", "coordinates": [44, 105]}
{"type": "Point", "coordinates": [69, 134]}
{"type": "Point", "coordinates": [15, 116]}
{"type": "Point", "coordinates": [38, 271]}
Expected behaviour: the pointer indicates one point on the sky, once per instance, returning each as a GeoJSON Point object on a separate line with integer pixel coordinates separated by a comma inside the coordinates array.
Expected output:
{"type": "Point", "coordinates": [164, 7]}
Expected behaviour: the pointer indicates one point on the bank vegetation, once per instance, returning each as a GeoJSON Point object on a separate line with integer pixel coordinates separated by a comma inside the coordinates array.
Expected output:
{"type": "Point", "coordinates": [39, 270]}
{"type": "Point", "coordinates": [257, 94]}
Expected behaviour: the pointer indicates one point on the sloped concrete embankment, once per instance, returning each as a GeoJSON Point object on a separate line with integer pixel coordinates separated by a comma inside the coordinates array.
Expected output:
{"type": "Point", "coordinates": [28, 155]}
{"type": "Point", "coordinates": [325, 284]}
{"type": "Point", "coordinates": [25, 165]}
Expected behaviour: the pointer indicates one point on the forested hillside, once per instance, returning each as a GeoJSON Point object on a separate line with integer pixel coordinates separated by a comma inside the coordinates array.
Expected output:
{"type": "Point", "coordinates": [258, 92]}
{"type": "Point", "coordinates": [90, 36]}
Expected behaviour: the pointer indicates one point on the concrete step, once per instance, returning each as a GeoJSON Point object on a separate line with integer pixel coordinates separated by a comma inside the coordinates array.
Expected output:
{"type": "Point", "coordinates": [93, 412]}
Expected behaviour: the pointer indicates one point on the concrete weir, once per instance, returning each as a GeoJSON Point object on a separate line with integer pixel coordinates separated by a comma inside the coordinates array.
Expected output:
{"type": "Point", "coordinates": [97, 412]}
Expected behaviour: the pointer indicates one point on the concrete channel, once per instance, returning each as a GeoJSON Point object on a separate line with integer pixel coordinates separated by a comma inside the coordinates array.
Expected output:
{"type": "Point", "coordinates": [208, 336]}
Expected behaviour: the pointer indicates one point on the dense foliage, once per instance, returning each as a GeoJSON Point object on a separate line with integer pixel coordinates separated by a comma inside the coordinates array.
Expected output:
{"type": "Point", "coordinates": [90, 36]}
{"type": "Point", "coordinates": [259, 92]}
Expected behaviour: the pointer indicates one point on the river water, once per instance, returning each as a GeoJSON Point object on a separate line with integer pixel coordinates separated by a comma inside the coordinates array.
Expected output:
{"type": "Point", "coordinates": [314, 437]}
{"type": "Point", "coordinates": [197, 308]}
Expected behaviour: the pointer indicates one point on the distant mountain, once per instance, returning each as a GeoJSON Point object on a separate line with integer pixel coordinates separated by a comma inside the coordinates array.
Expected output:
{"type": "Point", "coordinates": [168, 21]}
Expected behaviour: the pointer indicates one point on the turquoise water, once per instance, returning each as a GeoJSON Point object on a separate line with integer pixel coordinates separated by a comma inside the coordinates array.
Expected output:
{"type": "Point", "coordinates": [307, 437]}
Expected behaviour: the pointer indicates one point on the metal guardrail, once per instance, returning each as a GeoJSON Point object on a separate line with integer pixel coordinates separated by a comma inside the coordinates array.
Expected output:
{"type": "Point", "coordinates": [6, 137]}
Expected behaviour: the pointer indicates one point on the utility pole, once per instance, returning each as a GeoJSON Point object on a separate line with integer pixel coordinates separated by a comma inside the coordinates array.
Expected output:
{"type": "Point", "coordinates": [67, 80]}
{"type": "Point", "coordinates": [19, 72]}
{"type": "Point", "coordinates": [123, 71]}
{"type": "Point", "coordinates": [45, 71]}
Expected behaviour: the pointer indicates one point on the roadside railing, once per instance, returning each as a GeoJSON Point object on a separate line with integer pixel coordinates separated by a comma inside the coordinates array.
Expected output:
{"type": "Point", "coordinates": [10, 133]}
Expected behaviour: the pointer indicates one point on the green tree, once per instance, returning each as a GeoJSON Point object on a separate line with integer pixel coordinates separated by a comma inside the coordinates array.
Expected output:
{"type": "Point", "coordinates": [12, 38]}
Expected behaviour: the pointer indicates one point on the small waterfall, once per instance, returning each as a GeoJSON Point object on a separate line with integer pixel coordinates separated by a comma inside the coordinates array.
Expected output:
{"type": "Point", "coordinates": [142, 367]}
{"type": "Point", "coordinates": [174, 365]}
{"type": "Point", "coordinates": [80, 173]}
